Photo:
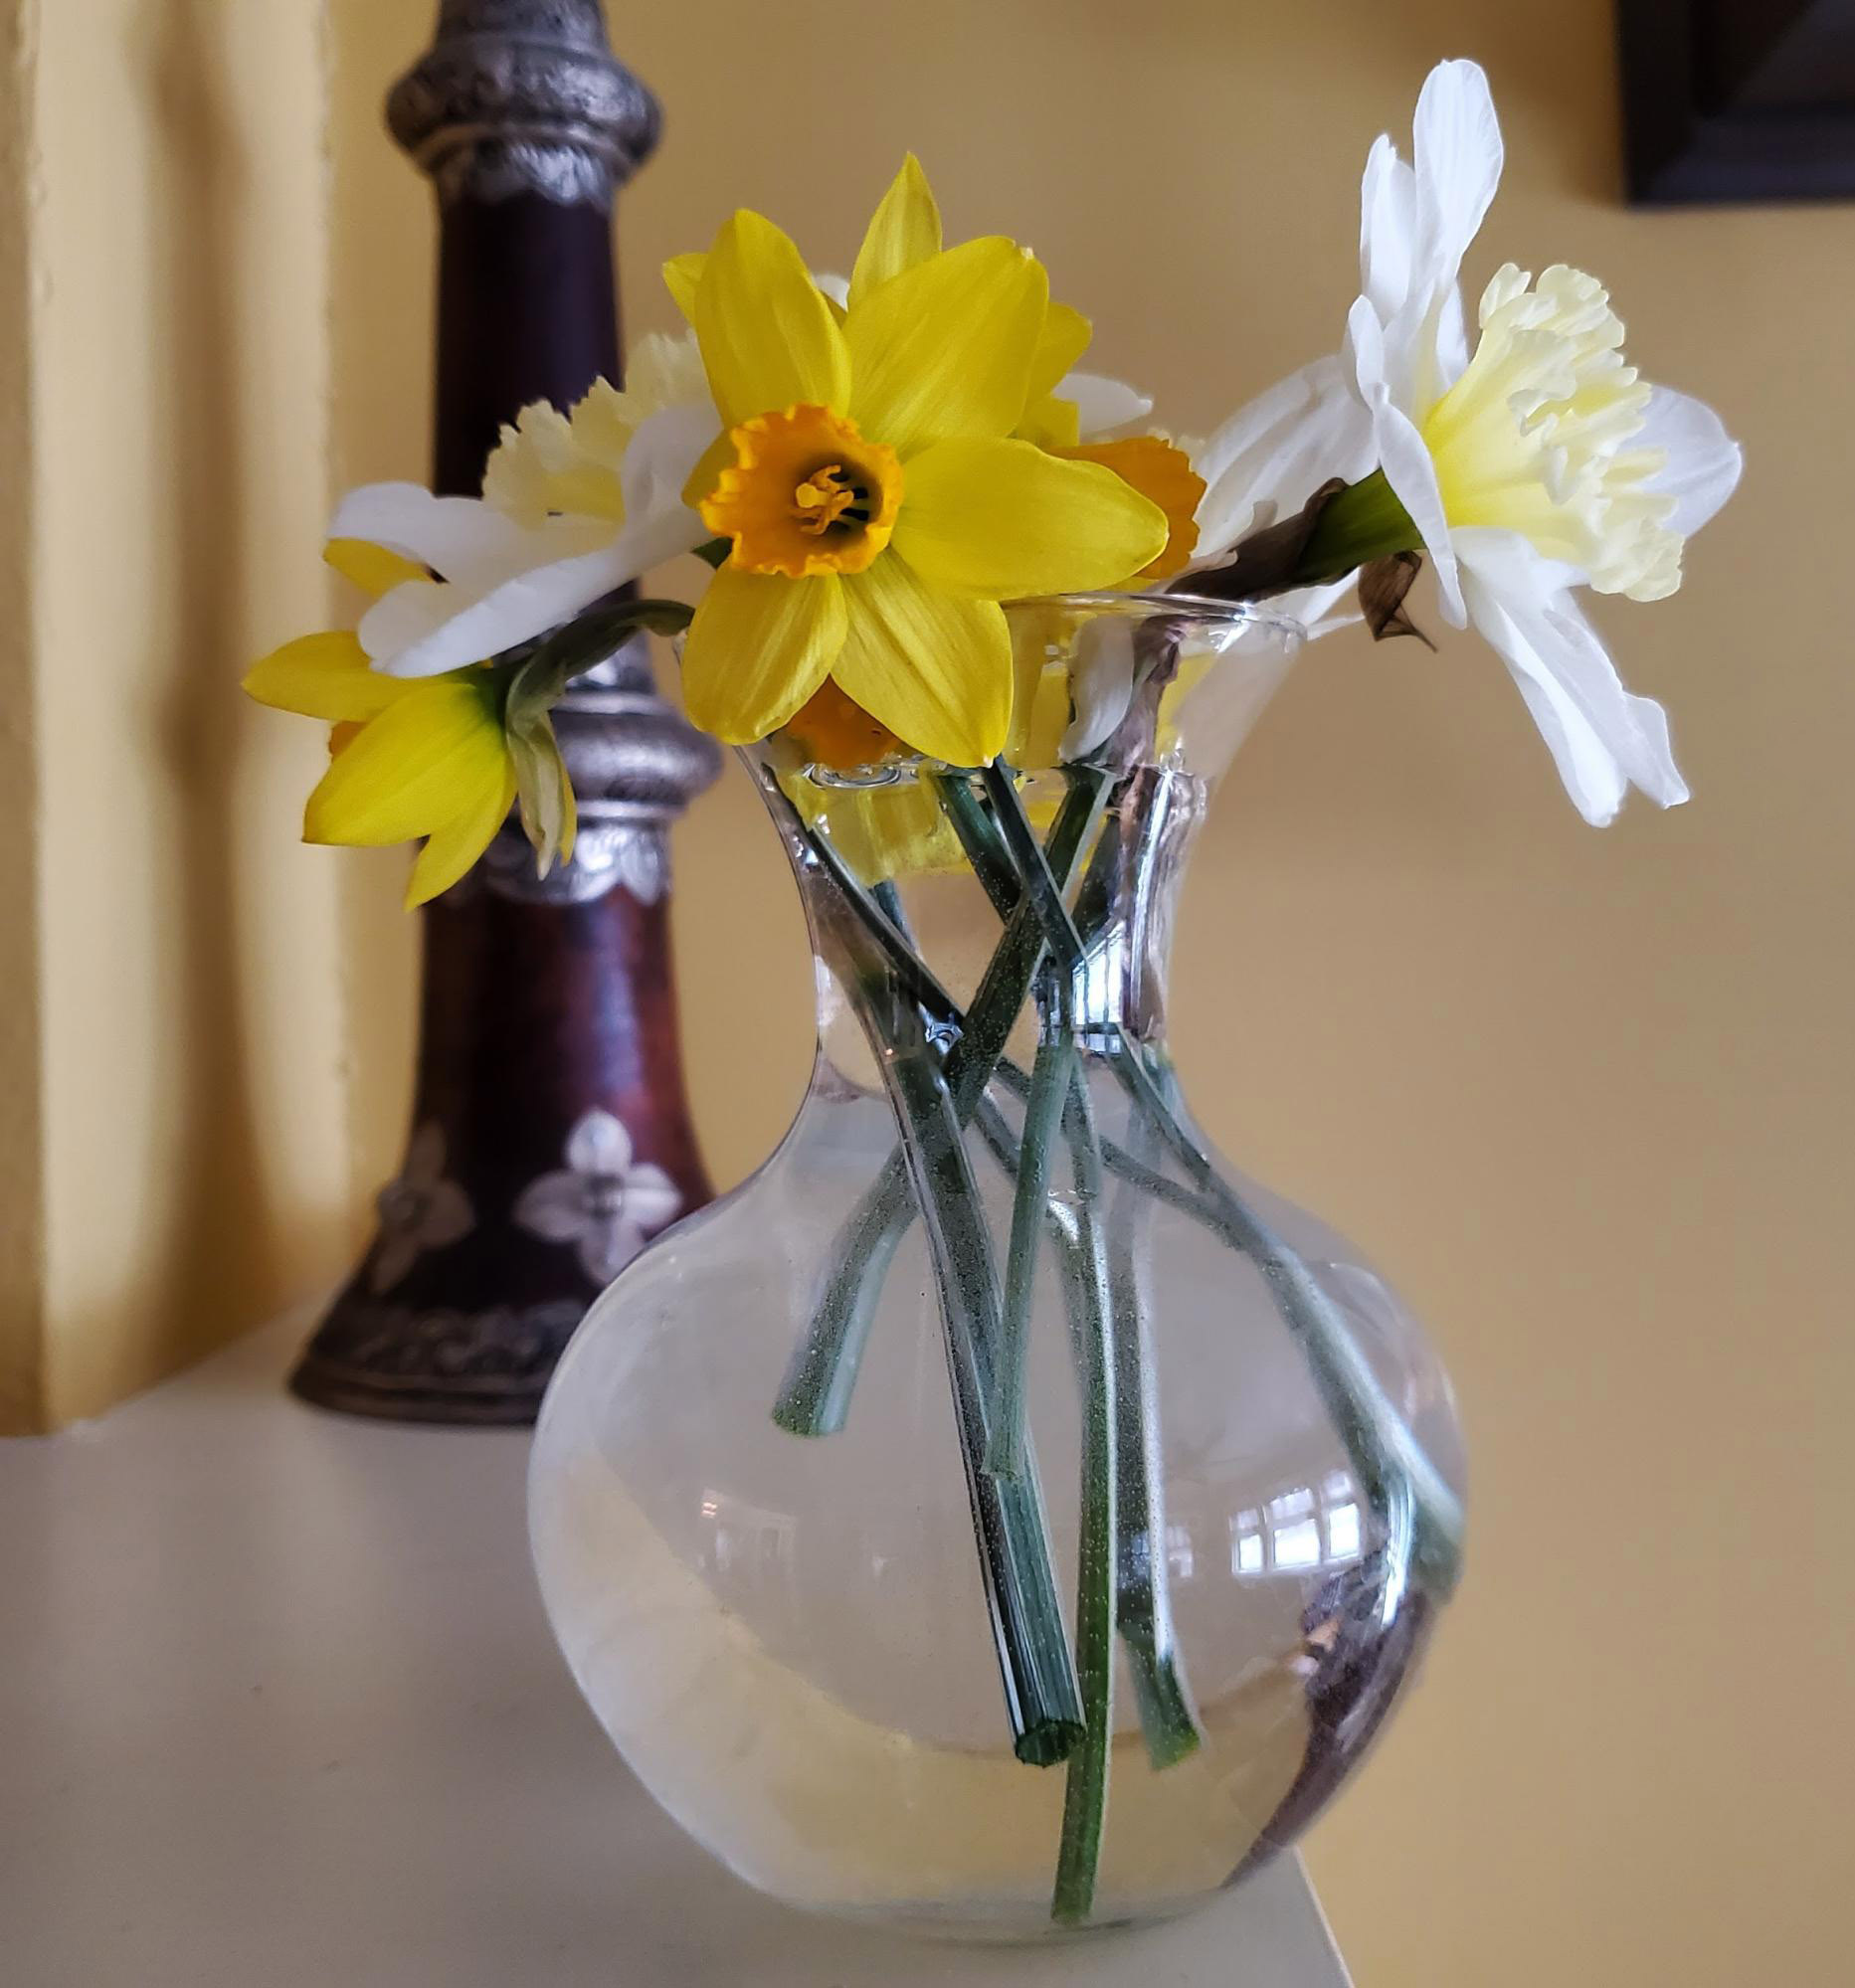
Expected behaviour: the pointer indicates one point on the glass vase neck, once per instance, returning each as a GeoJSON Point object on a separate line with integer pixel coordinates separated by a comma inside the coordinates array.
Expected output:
{"type": "Point", "coordinates": [949, 916]}
{"type": "Point", "coordinates": [1125, 710]}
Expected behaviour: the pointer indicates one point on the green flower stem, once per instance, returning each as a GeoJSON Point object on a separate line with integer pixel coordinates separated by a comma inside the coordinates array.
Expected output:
{"type": "Point", "coordinates": [1085, 1791]}
{"type": "Point", "coordinates": [1404, 1489]}
{"type": "Point", "coordinates": [1048, 1721]}
{"type": "Point", "coordinates": [1043, 1114]}
{"type": "Point", "coordinates": [821, 1375]}
{"type": "Point", "coordinates": [900, 957]}
{"type": "Point", "coordinates": [1365, 521]}
{"type": "Point", "coordinates": [979, 837]}
{"type": "Point", "coordinates": [1012, 1535]}
{"type": "Point", "coordinates": [1037, 887]}
{"type": "Point", "coordinates": [1143, 1604]}
{"type": "Point", "coordinates": [1143, 1576]}
{"type": "Point", "coordinates": [815, 1392]}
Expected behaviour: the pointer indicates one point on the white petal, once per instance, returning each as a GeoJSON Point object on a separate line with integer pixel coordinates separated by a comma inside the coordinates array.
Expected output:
{"type": "Point", "coordinates": [836, 287]}
{"type": "Point", "coordinates": [663, 454]}
{"type": "Point", "coordinates": [1458, 152]}
{"type": "Point", "coordinates": [1405, 459]}
{"type": "Point", "coordinates": [1279, 407]}
{"type": "Point", "coordinates": [421, 631]}
{"type": "Point", "coordinates": [657, 536]}
{"type": "Point", "coordinates": [1602, 739]}
{"type": "Point", "coordinates": [451, 535]}
{"type": "Point", "coordinates": [1101, 404]}
{"type": "Point", "coordinates": [1704, 461]}
{"type": "Point", "coordinates": [554, 1207]}
{"type": "Point", "coordinates": [1277, 450]}
{"type": "Point", "coordinates": [599, 1144]}
{"type": "Point", "coordinates": [1403, 454]}
{"type": "Point", "coordinates": [651, 1198]}
{"type": "Point", "coordinates": [1387, 220]}
{"type": "Point", "coordinates": [1101, 685]}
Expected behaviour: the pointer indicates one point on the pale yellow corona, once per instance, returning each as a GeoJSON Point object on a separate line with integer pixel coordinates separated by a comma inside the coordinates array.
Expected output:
{"type": "Point", "coordinates": [1539, 435]}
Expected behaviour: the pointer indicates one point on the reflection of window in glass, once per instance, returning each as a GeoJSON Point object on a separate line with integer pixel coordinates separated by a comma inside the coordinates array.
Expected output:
{"type": "Point", "coordinates": [1298, 1544]}
{"type": "Point", "coordinates": [1247, 1543]}
{"type": "Point", "coordinates": [1343, 1533]}
{"type": "Point", "coordinates": [1299, 1528]}
{"type": "Point", "coordinates": [1179, 1555]}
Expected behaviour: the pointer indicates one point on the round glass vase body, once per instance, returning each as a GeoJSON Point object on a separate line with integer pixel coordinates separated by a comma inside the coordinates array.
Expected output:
{"type": "Point", "coordinates": [997, 1517]}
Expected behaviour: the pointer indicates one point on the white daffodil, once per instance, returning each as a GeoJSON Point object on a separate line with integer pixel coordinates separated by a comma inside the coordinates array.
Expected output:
{"type": "Point", "coordinates": [1533, 465]}
{"type": "Point", "coordinates": [573, 506]}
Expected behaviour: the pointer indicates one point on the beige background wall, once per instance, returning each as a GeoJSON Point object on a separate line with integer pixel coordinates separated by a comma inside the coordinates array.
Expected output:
{"type": "Point", "coordinates": [1584, 1093]}
{"type": "Point", "coordinates": [173, 1122]}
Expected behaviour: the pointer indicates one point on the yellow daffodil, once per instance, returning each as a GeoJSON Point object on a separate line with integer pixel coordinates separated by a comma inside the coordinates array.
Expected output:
{"type": "Point", "coordinates": [420, 757]}
{"type": "Point", "coordinates": [878, 503]}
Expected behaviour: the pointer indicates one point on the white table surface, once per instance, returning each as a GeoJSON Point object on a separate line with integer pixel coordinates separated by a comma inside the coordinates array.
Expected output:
{"type": "Point", "coordinates": [278, 1709]}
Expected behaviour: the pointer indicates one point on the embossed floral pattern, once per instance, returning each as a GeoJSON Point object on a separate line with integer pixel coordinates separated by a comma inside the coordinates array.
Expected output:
{"type": "Point", "coordinates": [601, 1202]}
{"type": "Point", "coordinates": [421, 1210]}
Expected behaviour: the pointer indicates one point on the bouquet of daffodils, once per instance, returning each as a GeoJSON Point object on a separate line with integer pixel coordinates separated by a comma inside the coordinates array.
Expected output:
{"type": "Point", "coordinates": [899, 485]}
{"type": "Point", "coordinates": [870, 468]}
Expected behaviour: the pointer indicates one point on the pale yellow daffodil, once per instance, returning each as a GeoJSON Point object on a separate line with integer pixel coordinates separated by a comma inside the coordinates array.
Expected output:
{"type": "Point", "coordinates": [878, 502]}
{"type": "Point", "coordinates": [410, 757]}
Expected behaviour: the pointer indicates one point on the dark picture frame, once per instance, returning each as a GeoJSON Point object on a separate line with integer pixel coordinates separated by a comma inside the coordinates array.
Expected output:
{"type": "Point", "coordinates": [1729, 100]}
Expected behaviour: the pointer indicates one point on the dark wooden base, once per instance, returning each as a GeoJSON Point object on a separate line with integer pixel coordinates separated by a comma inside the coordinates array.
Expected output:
{"type": "Point", "coordinates": [399, 1364]}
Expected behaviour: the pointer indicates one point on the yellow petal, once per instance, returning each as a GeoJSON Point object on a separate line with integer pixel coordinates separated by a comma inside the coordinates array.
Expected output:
{"type": "Point", "coordinates": [936, 670]}
{"type": "Point", "coordinates": [1051, 423]}
{"type": "Point", "coordinates": [767, 334]}
{"type": "Point", "coordinates": [1064, 339]}
{"type": "Point", "coordinates": [905, 230]}
{"type": "Point", "coordinates": [717, 456]}
{"type": "Point", "coordinates": [1000, 520]}
{"type": "Point", "coordinates": [453, 847]}
{"type": "Point", "coordinates": [758, 645]}
{"type": "Point", "coordinates": [682, 278]}
{"type": "Point", "coordinates": [1162, 471]}
{"type": "Point", "coordinates": [884, 831]}
{"type": "Point", "coordinates": [323, 677]}
{"type": "Point", "coordinates": [426, 757]}
{"type": "Point", "coordinates": [945, 348]}
{"type": "Point", "coordinates": [372, 568]}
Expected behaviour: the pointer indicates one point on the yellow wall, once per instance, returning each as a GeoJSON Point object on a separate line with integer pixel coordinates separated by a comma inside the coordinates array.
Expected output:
{"type": "Point", "coordinates": [21, 1241]}
{"type": "Point", "coordinates": [185, 1035]}
{"type": "Point", "coordinates": [1584, 1093]}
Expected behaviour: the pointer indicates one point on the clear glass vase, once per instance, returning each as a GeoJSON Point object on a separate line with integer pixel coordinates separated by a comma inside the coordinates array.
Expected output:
{"type": "Point", "coordinates": [999, 1517]}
